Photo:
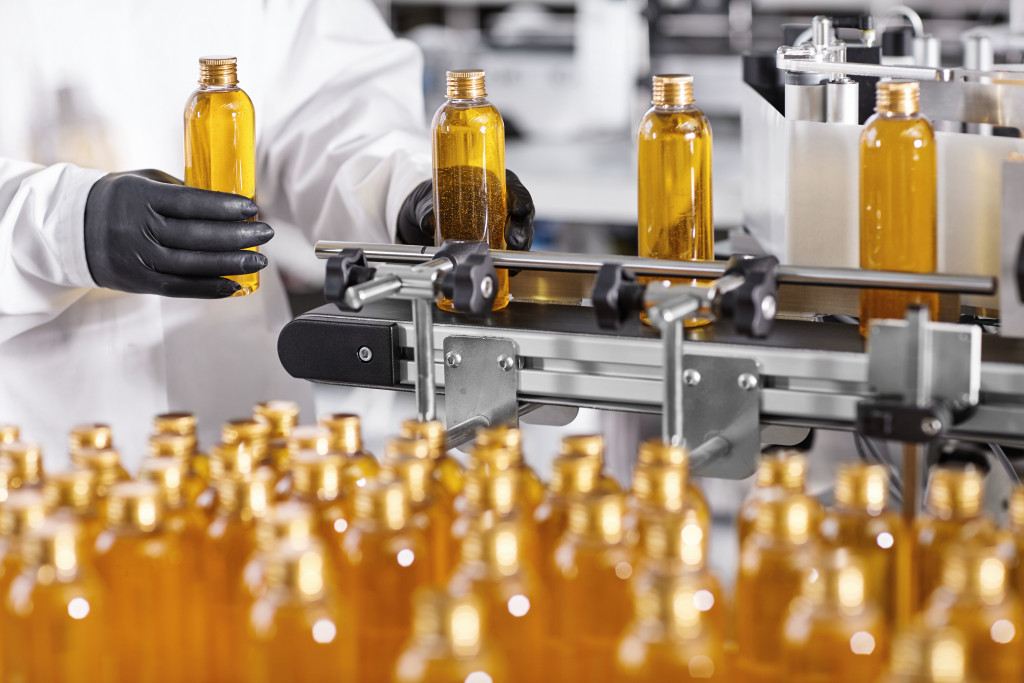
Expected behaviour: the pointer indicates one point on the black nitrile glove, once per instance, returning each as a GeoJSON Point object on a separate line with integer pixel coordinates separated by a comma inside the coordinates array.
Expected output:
{"type": "Point", "coordinates": [147, 233]}
{"type": "Point", "coordinates": [416, 217]}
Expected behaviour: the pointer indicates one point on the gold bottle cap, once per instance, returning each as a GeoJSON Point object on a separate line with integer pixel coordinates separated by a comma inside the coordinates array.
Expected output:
{"type": "Point", "coordinates": [346, 434]}
{"type": "Point", "coordinates": [414, 473]}
{"type": "Point", "coordinates": [169, 474]}
{"type": "Point", "coordinates": [386, 502]}
{"type": "Point", "coordinates": [298, 566]}
{"type": "Point", "coordinates": [496, 492]}
{"type": "Point", "coordinates": [246, 496]}
{"type": "Point", "coordinates": [290, 521]}
{"type": "Point", "coordinates": [227, 461]}
{"type": "Point", "coordinates": [661, 486]}
{"type": "Point", "coordinates": [955, 492]}
{"type": "Point", "coordinates": [9, 433]}
{"type": "Point", "coordinates": [310, 438]}
{"type": "Point", "coordinates": [672, 90]}
{"type": "Point", "coordinates": [598, 516]}
{"type": "Point", "coordinates": [7, 478]}
{"type": "Point", "coordinates": [27, 459]}
{"type": "Point", "coordinates": [465, 85]}
{"type": "Point", "coordinates": [174, 446]}
{"type": "Point", "coordinates": [106, 463]}
{"type": "Point", "coordinates": [976, 570]}
{"type": "Point", "coordinates": [23, 511]}
{"type": "Point", "coordinates": [218, 70]}
{"type": "Point", "coordinates": [493, 458]}
{"type": "Point", "coordinates": [53, 544]}
{"type": "Point", "coordinates": [74, 490]}
{"type": "Point", "coordinates": [406, 447]}
{"type": "Point", "coordinates": [97, 436]}
{"type": "Point", "coordinates": [135, 504]}
{"type": "Point", "coordinates": [792, 518]}
{"type": "Point", "coordinates": [931, 655]}
{"type": "Point", "coordinates": [498, 543]}
{"type": "Point", "coordinates": [675, 537]}
{"type": "Point", "coordinates": [837, 579]}
{"type": "Point", "coordinates": [572, 476]}
{"type": "Point", "coordinates": [898, 97]}
{"type": "Point", "coordinates": [657, 452]}
{"type": "Point", "coordinates": [317, 477]}
{"type": "Point", "coordinates": [177, 424]}
{"type": "Point", "coordinates": [457, 620]}
{"type": "Point", "coordinates": [862, 487]}
{"type": "Point", "coordinates": [252, 432]}
{"type": "Point", "coordinates": [432, 431]}
{"type": "Point", "coordinates": [1017, 509]}
{"type": "Point", "coordinates": [281, 415]}
{"type": "Point", "coordinates": [783, 467]}
{"type": "Point", "coordinates": [583, 446]}
{"type": "Point", "coordinates": [501, 437]}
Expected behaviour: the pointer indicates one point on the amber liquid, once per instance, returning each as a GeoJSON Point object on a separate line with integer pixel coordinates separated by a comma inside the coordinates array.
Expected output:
{"type": "Point", "coordinates": [186, 527]}
{"type": "Point", "coordinates": [933, 538]}
{"type": "Point", "coordinates": [469, 180]}
{"type": "Point", "coordinates": [229, 542]}
{"type": "Point", "coordinates": [675, 212]}
{"type": "Point", "coordinates": [145, 594]}
{"type": "Point", "coordinates": [383, 569]}
{"type": "Point", "coordinates": [644, 658]}
{"type": "Point", "coordinates": [823, 645]}
{"type": "Point", "coordinates": [220, 150]}
{"type": "Point", "coordinates": [898, 211]}
{"type": "Point", "coordinates": [432, 662]}
{"type": "Point", "coordinates": [56, 631]}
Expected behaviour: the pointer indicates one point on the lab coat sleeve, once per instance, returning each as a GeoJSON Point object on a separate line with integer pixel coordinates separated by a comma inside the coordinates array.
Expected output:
{"type": "Point", "coordinates": [43, 268]}
{"type": "Point", "coordinates": [343, 141]}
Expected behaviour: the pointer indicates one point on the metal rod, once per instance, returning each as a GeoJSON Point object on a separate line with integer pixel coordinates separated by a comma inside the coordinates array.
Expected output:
{"type": "Point", "coordinates": [917, 73]}
{"type": "Point", "coordinates": [587, 263]}
{"type": "Point", "coordinates": [367, 292]}
{"type": "Point", "coordinates": [712, 449]}
{"type": "Point", "coordinates": [465, 431]}
{"type": "Point", "coordinates": [423, 327]}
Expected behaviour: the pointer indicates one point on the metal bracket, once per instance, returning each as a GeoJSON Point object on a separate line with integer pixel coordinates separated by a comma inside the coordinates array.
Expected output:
{"type": "Point", "coordinates": [722, 403]}
{"type": "Point", "coordinates": [481, 380]}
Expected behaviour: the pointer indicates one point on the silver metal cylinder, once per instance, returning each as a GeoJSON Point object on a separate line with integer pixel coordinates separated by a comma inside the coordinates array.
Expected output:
{"type": "Point", "coordinates": [805, 102]}
{"type": "Point", "coordinates": [1017, 16]}
{"type": "Point", "coordinates": [927, 51]}
{"type": "Point", "coordinates": [423, 326]}
{"type": "Point", "coordinates": [821, 31]}
{"type": "Point", "coordinates": [978, 53]}
{"type": "Point", "coordinates": [841, 101]}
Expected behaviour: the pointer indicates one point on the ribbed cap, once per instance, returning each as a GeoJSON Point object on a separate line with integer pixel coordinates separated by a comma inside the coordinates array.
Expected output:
{"type": "Point", "coordinates": [6, 478]}
{"type": "Point", "coordinates": [9, 433]}
{"type": "Point", "coordinates": [407, 447]}
{"type": "Point", "coordinates": [930, 655]}
{"type": "Point", "coordinates": [784, 467]}
{"type": "Point", "coordinates": [179, 423]}
{"type": "Point", "coordinates": [465, 85]}
{"type": "Point", "coordinates": [346, 434]}
{"type": "Point", "coordinates": [1017, 509]}
{"type": "Point", "coordinates": [661, 486]}
{"type": "Point", "coordinates": [27, 459]}
{"type": "Point", "coordinates": [598, 516]}
{"type": "Point", "coordinates": [496, 492]}
{"type": "Point", "coordinates": [246, 496]}
{"type": "Point", "coordinates": [415, 473]}
{"type": "Point", "coordinates": [252, 432]}
{"type": "Point", "coordinates": [282, 416]}
{"type": "Point", "coordinates": [106, 463]}
{"type": "Point", "coordinates": [73, 490]}
{"type": "Point", "coordinates": [386, 503]}
{"type": "Point", "coordinates": [572, 476]}
{"type": "Point", "coordinates": [169, 474]}
{"type": "Point", "coordinates": [792, 518]}
{"type": "Point", "coordinates": [457, 620]}
{"type": "Point", "coordinates": [975, 570]}
{"type": "Point", "coordinates": [955, 492]}
{"type": "Point", "coordinates": [232, 460]}
{"type": "Point", "coordinates": [23, 511]}
{"type": "Point", "coordinates": [583, 446]}
{"type": "Point", "coordinates": [862, 487]}
{"type": "Point", "coordinates": [289, 521]}
{"type": "Point", "coordinates": [310, 438]}
{"type": "Point", "coordinates": [672, 90]}
{"type": "Point", "coordinates": [317, 477]}
{"type": "Point", "coordinates": [498, 543]}
{"type": "Point", "coordinates": [55, 544]}
{"type": "Point", "coordinates": [84, 436]}
{"type": "Point", "coordinates": [657, 452]}
{"type": "Point", "coordinates": [135, 504]}
{"type": "Point", "coordinates": [501, 437]}
{"type": "Point", "coordinates": [218, 70]}
{"type": "Point", "coordinates": [299, 567]}
{"type": "Point", "coordinates": [433, 432]}
{"type": "Point", "coordinates": [898, 97]}
{"type": "Point", "coordinates": [174, 446]}
{"type": "Point", "coordinates": [675, 537]}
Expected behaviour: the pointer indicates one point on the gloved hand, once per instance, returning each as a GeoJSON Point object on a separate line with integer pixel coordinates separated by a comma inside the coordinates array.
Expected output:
{"type": "Point", "coordinates": [416, 217]}
{"type": "Point", "coordinates": [147, 233]}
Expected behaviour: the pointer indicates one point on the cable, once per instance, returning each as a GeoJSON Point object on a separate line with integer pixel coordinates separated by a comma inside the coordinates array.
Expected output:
{"type": "Point", "coordinates": [901, 11]}
{"type": "Point", "coordinates": [1001, 456]}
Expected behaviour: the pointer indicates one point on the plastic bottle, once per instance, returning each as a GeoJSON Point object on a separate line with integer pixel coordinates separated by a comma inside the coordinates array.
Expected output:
{"type": "Point", "coordinates": [469, 170]}
{"type": "Point", "coordinates": [142, 567]}
{"type": "Point", "coordinates": [976, 599]}
{"type": "Point", "coordinates": [9, 433]}
{"type": "Point", "coordinates": [773, 561]}
{"type": "Point", "coordinates": [251, 433]}
{"type": "Point", "coordinates": [93, 435]}
{"type": "Point", "coordinates": [591, 602]}
{"type": "Point", "coordinates": [106, 464]}
{"type": "Point", "coordinates": [317, 483]}
{"type": "Point", "coordinates": [1016, 538]}
{"type": "Point", "coordinates": [674, 177]}
{"type": "Point", "coordinates": [898, 199]}
{"type": "Point", "coordinates": [449, 642]}
{"type": "Point", "coordinates": [571, 478]}
{"type": "Point", "coordinates": [22, 512]}
{"type": "Point", "coordinates": [27, 459]}
{"type": "Point", "coordinates": [924, 655]}
{"type": "Point", "coordinates": [447, 469]}
{"type": "Point", "coordinates": [54, 622]}
{"type": "Point", "coordinates": [220, 140]}
{"type": "Point", "coordinates": [347, 439]}
{"type": "Point", "coordinates": [291, 522]}
{"type": "Point", "coordinates": [181, 449]}
{"type": "Point", "coordinates": [661, 485]}
{"type": "Point", "coordinates": [510, 439]}
{"type": "Point", "coordinates": [488, 497]}
{"type": "Point", "coordinates": [780, 472]}
{"type": "Point", "coordinates": [72, 494]}
{"type": "Point", "coordinates": [833, 632]}
{"type": "Point", "coordinates": [184, 424]}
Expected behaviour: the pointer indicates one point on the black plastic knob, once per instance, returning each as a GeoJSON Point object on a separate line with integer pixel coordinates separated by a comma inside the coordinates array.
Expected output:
{"type": "Point", "coordinates": [1020, 271]}
{"type": "Point", "coordinates": [752, 306]}
{"type": "Point", "coordinates": [347, 269]}
{"type": "Point", "coordinates": [617, 296]}
{"type": "Point", "coordinates": [472, 285]}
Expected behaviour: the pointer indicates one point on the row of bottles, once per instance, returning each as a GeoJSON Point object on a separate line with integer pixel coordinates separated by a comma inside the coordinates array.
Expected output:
{"type": "Point", "coordinates": [287, 552]}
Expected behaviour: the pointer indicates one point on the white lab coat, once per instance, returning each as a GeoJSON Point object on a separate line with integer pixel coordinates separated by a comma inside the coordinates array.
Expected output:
{"type": "Point", "coordinates": [340, 143]}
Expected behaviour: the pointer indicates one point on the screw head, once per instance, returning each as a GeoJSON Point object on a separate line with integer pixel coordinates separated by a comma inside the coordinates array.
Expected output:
{"type": "Point", "coordinates": [691, 377]}
{"type": "Point", "coordinates": [365, 354]}
{"type": "Point", "coordinates": [769, 307]}
{"type": "Point", "coordinates": [506, 362]}
{"type": "Point", "coordinates": [487, 287]}
{"type": "Point", "coordinates": [452, 359]}
{"type": "Point", "coordinates": [747, 381]}
{"type": "Point", "coordinates": [931, 426]}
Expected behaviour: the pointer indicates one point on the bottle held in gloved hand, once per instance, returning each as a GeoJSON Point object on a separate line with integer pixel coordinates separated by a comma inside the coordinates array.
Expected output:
{"type": "Point", "coordinates": [220, 147]}
{"type": "Point", "coordinates": [469, 171]}
{"type": "Point", "coordinates": [674, 177]}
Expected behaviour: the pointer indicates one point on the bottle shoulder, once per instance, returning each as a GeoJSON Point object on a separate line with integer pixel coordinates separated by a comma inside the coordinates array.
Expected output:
{"type": "Point", "coordinates": [882, 128]}
{"type": "Point", "coordinates": [468, 114]}
{"type": "Point", "coordinates": [679, 120]}
{"type": "Point", "coordinates": [205, 103]}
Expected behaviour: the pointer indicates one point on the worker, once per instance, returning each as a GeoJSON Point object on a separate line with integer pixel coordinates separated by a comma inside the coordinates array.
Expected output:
{"type": "Point", "coordinates": [111, 304]}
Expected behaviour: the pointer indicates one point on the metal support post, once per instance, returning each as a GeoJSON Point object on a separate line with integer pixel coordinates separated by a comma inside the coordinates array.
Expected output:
{"type": "Point", "coordinates": [423, 325]}
{"type": "Point", "coordinates": [669, 317]}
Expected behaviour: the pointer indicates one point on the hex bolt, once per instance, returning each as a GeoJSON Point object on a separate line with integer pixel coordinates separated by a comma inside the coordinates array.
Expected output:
{"type": "Point", "coordinates": [452, 359]}
{"type": "Point", "coordinates": [931, 426]}
{"type": "Point", "coordinates": [506, 362]}
{"type": "Point", "coordinates": [747, 381]}
{"type": "Point", "coordinates": [365, 354]}
{"type": "Point", "coordinates": [691, 377]}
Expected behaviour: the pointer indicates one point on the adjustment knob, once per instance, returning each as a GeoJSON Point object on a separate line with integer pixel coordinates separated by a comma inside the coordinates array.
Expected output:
{"type": "Point", "coordinates": [347, 269]}
{"type": "Point", "coordinates": [472, 285]}
{"type": "Point", "coordinates": [753, 305]}
{"type": "Point", "coordinates": [1020, 271]}
{"type": "Point", "coordinates": [617, 296]}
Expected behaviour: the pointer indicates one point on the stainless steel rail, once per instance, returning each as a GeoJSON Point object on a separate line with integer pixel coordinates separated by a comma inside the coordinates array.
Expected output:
{"type": "Point", "coordinates": [584, 263]}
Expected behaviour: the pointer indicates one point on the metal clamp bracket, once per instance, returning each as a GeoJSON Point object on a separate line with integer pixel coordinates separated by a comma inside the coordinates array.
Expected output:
{"type": "Point", "coordinates": [481, 380]}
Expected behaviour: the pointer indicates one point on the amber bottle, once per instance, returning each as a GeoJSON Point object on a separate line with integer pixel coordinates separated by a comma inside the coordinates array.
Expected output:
{"type": "Point", "coordinates": [449, 642]}
{"type": "Point", "coordinates": [317, 482]}
{"type": "Point", "coordinates": [22, 512]}
{"type": "Point", "coordinates": [489, 442]}
{"type": "Point", "coordinates": [94, 435]}
{"type": "Point", "coordinates": [926, 655]}
{"type": "Point", "coordinates": [27, 459]}
{"type": "Point", "coordinates": [181, 449]}
{"type": "Point", "coordinates": [142, 568]}
{"type": "Point", "coordinates": [447, 470]}
{"type": "Point", "coordinates": [184, 425]}
{"type": "Point", "coordinates": [54, 624]}
{"type": "Point", "coordinates": [1016, 537]}
{"type": "Point", "coordinates": [9, 433]}
{"type": "Point", "coordinates": [72, 493]}
{"type": "Point", "coordinates": [347, 439]}
{"type": "Point", "coordinates": [571, 477]}
{"type": "Point", "coordinates": [290, 522]}
{"type": "Point", "coordinates": [780, 472]}
{"type": "Point", "coordinates": [251, 433]}
{"type": "Point", "coordinates": [833, 632]}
